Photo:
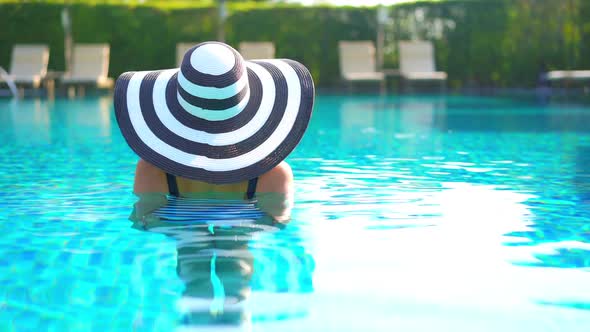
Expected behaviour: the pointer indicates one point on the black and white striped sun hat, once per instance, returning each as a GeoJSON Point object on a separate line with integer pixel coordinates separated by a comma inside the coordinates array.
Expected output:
{"type": "Point", "coordinates": [217, 118]}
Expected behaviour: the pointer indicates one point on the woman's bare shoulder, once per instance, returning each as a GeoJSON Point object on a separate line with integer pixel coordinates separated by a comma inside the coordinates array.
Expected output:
{"type": "Point", "coordinates": [277, 180]}
{"type": "Point", "coordinates": [149, 178]}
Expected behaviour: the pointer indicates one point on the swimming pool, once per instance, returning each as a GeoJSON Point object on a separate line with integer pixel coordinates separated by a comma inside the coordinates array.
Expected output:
{"type": "Point", "coordinates": [412, 214]}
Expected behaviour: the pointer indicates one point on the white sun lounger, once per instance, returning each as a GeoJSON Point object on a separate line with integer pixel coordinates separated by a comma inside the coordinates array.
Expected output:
{"type": "Point", "coordinates": [90, 66]}
{"type": "Point", "coordinates": [28, 65]}
{"type": "Point", "coordinates": [357, 62]}
{"type": "Point", "coordinates": [568, 75]}
{"type": "Point", "coordinates": [416, 62]}
{"type": "Point", "coordinates": [257, 50]}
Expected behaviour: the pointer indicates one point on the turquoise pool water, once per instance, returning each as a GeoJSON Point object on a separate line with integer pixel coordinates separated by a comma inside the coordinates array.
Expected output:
{"type": "Point", "coordinates": [411, 214]}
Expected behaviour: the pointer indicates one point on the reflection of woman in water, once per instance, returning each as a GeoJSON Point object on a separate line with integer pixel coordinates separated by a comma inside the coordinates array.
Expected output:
{"type": "Point", "coordinates": [212, 136]}
{"type": "Point", "coordinates": [216, 266]}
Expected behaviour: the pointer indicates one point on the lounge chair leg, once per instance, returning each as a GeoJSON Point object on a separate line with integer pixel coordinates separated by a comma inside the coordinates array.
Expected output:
{"type": "Point", "coordinates": [49, 88]}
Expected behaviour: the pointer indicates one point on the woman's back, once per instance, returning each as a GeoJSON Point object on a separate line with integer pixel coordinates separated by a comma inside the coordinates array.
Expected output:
{"type": "Point", "coordinates": [273, 190]}
{"type": "Point", "coordinates": [150, 179]}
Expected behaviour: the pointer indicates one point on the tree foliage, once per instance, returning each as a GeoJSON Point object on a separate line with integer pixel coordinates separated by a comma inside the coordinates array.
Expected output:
{"type": "Point", "coordinates": [505, 43]}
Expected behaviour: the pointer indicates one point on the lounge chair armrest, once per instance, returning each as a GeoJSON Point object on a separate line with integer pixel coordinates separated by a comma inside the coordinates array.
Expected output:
{"type": "Point", "coordinates": [374, 76]}
{"type": "Point", "coordinates": [435, 75]}
{"type": "Point", "coordinates": [568, 75]}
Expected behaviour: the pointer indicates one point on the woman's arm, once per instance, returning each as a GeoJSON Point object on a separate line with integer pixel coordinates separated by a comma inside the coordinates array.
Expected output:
{"type": "Point", "coordinates": [150, 187]}
{"type": "Point", "coordinates": [149, 179]}
{"type": "Point", "coordinates": [275, 192]}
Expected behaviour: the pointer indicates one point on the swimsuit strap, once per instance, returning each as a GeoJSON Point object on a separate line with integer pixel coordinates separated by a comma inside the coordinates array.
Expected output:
{"type": "Point", "coordinates": [172, 185]}
{"type": "Point", "coordinates": [251, 188]}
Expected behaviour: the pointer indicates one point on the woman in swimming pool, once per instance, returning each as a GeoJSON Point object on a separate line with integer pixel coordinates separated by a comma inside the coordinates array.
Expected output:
{"type": "Point", "coordinates": [218, 126]}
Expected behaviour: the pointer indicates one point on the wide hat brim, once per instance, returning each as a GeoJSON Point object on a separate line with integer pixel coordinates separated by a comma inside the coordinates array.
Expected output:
{"type": "Point", "coordinates": [168, 135]}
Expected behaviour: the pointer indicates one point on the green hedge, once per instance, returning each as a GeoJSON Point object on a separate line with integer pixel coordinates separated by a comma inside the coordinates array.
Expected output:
{"type": "Point", "coordinates": [479, 43]}
{"type": "Point", "coordinates": [141, 38]}
{"type": "Point", "coordinates": [501, 42]}
{"type": "Point", "coordinates": [308, 35]}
